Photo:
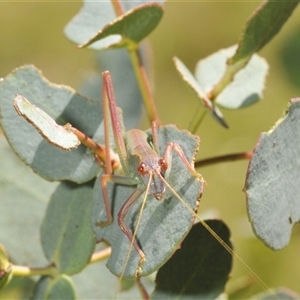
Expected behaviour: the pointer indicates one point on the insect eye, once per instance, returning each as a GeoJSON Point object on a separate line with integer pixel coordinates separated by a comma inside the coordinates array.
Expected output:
{"type": "Point", "coordinates": [141, 169]}
{"type": "Point", "coordinates": [163, 164]}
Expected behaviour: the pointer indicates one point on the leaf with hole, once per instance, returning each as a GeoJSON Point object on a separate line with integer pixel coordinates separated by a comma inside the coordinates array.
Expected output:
{"type": "Point", "coordinates": [273, 180]}
{"type": "Point", "coordinates": [63, 105]}
{"type": "Point", "coordinates": [164, 224]}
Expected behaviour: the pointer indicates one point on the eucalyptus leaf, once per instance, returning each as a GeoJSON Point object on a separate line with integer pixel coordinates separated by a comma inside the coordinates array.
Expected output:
{"type": "Point", "coordinates": [262, 26]}
{"type": "Point", "coordinates": [199, 269]}
{"type": "Point", "coordinates": [60, 136]}
{"type": "Point", "coordinates": [98, 20]}
{"type": "Point", "coordinates": [164, 224]}
{"type": "Point", "coordinates": [23, 199]}
{"type": "Point", "coordinates": [198, 90]}
{"type": "Point", "coordinates": [247, 85]}
{"type": "Point", "coordinates": [273, 180]}
{"type": "Point", "coordinates": [60, 287]}
{"type": "Point", "coordinates": [66, 233]}
{"type": "Point", "coordinates": [62, 104]}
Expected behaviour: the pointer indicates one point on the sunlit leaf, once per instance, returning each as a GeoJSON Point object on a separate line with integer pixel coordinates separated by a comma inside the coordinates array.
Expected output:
{"type": "Point", "coordinates": [98, 24]}
{"type": "Point", "coordinates": [164, 223]}
{"type": "Point", "coordinates": [62, 104]}
{"type": "Point", "coordinates": [199, 269]}
{"type": "Point", "coordinates": [66, 233]}
{"type": "Point", "coordinates": [198, 90]}
{"type": "Point", "coordinates": [60, 136]}
{"type": "Point", "coordinates": [273, 180]}
{"type": "Point", "coordinates": [247, 85]}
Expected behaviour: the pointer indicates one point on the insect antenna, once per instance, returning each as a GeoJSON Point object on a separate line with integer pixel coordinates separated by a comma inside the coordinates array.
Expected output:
{"type": "Point", "coordinates": [133, 239]}
{"type": "Point", "coordinates": [216, 236]}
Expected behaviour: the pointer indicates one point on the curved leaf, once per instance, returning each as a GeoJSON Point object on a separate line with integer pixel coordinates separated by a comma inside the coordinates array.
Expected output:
{"type": "Point", "coordinates": [98, 24]}
{"type": "Point", "coordinates": [262, 26]}
{"type": "Point", "coordinates": [273, 180]}
{"type": "Point", "coordinates": [66, 234]}
{"type": "Point", "coordinates": [247, 85]}
{"type": "Point", "coordinates": [197, 89]}
{"type": "Point", "coordinates": [64, 106]}
{"type": "Point", "coordinates": [60, 287]}
{"type": "Point", "coordinates": [164, 223]}
{"type": "Point", "coordinates": [199, 269]}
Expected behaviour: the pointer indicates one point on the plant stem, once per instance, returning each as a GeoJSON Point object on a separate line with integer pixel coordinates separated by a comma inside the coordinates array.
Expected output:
{"type": "Point", "coordinates": [223, 158]}
{"type": "Point", "coordinates": [51, 270]}
{"type": "Point", "coordinates": [100, 255]}
{"type": "Point", "coordinates": [117, 7]}
{"type": "Point", "coordinates": [27, 271]}
{"type": "Point", "coordinates": [142, 289]}
{"type": "Point", "coordinates": [140, 72]}
{"type": "Point", "coordinates": [144, 85]}
{"type": "Point", "coordinates": [195, 124]}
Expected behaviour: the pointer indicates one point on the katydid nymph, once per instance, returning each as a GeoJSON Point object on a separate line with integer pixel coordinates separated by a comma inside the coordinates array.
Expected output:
{"type": "Point", "coordinates": [149, 171]}
{"type": "Point", "coordinates": [157, 175]}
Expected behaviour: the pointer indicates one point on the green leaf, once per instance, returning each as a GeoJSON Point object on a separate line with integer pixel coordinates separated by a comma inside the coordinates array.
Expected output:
{"type": "Point", "coordinates": [262, 26]}
{"type": "Point", "coordinates": [198, 90]}
{"type": "Point", "coordinates": [164, 223]}
{"type": "Point", "coordinates": [24, 196]}
{"type": "Point", "coordinates": [247, 85]}
{"type": "Point", "coordinates": [60, 287]}
{"type": "Point", "coordinates": [66, 234]}
{"type": "Point", "coordinates": [199, 269]}
{"type": "Point", "coordinates": [280, 293]}
{"type": "Point", "coordinates": [124, 80]}
{"type": "Point", "coordinates": [273, 180]}
{"type": "Point", "coordinates": [64, 106]}
{"type": "Point", "coordinates": [97, 21]}
{"type": "Point", "coordinates": [60, 136]}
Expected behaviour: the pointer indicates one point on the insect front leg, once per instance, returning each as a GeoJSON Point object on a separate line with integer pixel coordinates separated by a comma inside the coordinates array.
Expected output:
{"type": "Point", "coordinates": [103, 182]}
{"type": "Point", "coordinates": [177, 148]}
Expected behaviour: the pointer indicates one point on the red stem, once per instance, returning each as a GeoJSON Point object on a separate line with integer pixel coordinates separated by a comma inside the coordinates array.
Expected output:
{"type": "Point", "coordinates": [223, 158]}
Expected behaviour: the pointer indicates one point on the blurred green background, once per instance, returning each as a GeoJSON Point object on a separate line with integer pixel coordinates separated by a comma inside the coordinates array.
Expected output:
{"type": "Point", "coordinates": [32, 33]}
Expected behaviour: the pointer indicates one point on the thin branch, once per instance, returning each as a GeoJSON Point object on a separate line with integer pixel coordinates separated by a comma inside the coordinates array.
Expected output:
{"type": "Point", "coordinates": [223, 158]}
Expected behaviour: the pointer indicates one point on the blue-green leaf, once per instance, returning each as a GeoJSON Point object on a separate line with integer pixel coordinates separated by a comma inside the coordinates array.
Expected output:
{"type": "Point", "coordinates": [273, 180]}
{"type": "Point", "coordinates": [164, 223]}
{"type": "Point", "coordinates": [66, 233]}
{"type": "Point", "coordinates": [64, 105]}
{"type": "Point", "coordinates": [98, 24]}
{"type": "Point", "coordinates": [60, 287]}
